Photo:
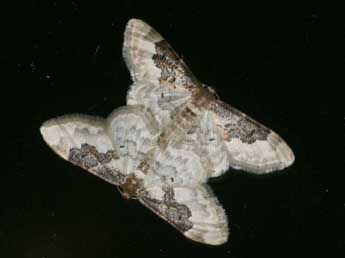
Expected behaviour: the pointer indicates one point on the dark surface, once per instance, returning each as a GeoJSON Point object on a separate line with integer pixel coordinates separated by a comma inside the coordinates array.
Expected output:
{"type": "Point", "coordinates": [280, 65]}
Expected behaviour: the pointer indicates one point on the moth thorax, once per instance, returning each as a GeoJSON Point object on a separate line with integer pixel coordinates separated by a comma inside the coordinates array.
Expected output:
{"type": "Point", "coordinates": [181, 124]}
{"type": "Point", "coordinates": [204, 95]}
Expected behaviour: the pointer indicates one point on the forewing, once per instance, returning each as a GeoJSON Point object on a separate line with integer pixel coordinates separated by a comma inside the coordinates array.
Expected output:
{"type": "Point", "coordinates": [149, 57]}
{"type": "Point", "coordinates": [251, 146]}
{"type": "Point", "coordinates": [195, 212]}
{"type": "Point", "coordinates": [162, 81]}
{"type": "Point", "coordinates": [83, 140]}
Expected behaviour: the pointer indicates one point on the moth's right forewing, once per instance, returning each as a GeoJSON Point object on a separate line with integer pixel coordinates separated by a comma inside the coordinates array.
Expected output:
{"type": "Point", "coordinates": [251, 146]}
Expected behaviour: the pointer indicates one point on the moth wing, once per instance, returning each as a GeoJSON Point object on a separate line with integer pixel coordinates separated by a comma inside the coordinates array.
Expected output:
{"type": "Point", "coordinates": [83, 140]}
{"type": "Point", "coordinates": [213, 149]}
{"type": "Point", "coordinates": [164, 102]}
{"type": "Point", "coordinates": [134, 132]}
{"type": "Point", "coordinates": [109, 148]}
{"type": "Point", "coordinates": [149, 57]}
{"type": "Point", "coordinates": [195, 212]}
{"type": "Point", "coordinates": [250, 145]}
{"type": "Point", "coordinates": [162, 81]}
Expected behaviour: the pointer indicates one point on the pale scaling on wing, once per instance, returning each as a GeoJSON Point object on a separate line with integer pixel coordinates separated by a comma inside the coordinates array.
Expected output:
{"type": "Point", "coordinates": [171, 137]}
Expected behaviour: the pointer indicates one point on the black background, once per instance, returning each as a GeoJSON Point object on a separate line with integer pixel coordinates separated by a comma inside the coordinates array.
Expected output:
{"type": "Point", "coordinates": [280, 64]}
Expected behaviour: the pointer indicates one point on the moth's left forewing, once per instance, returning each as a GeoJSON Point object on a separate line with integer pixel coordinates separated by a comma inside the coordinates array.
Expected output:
{"type": "Point", "coordinates": [149, 57]}
{"type": "Point", "coordinates": [65, 132]}
{"type": "Point", "coordinates": [83, 141]}
{"type": "Point", "coordinates": [194, 211]}
{"type": "Point", "coordinates": [138, 50]}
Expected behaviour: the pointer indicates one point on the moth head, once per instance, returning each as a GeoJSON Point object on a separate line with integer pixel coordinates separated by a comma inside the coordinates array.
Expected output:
{"type": "Point", "coordinates": [211, 90]}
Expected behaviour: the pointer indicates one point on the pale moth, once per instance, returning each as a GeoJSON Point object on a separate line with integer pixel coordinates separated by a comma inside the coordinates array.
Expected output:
{"type": "Point", "coordinates": [171, 137]}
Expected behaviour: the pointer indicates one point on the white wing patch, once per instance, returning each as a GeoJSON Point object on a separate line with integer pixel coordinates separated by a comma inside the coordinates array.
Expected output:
{"type": "Point", "coordinates": [261, 156]}
{"type": "Point", "coordinates": [138, 50]}
{"type": "Point", "coordinates": [66, 132]}
{"type": "Point", "coordinates": [134, 132]}
{"type": "Point", "coordinates": [179, 167]}
{"type": "Point", "coordinates": [213, 146]}
{"type": "Point", "coordinates": [163, 101]}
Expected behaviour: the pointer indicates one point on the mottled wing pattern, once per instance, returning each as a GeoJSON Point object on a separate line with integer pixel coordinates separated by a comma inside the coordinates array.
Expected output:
{"type": "Point", "coordinates": [178, 165]}
{"type": "Point", "coordinates": [109, 148]}
{"type": "Point", "coordinates": [139, 47]}
{"type": "Point", "coordinates": [162, 81]}
{"type": "Point", "coordinates": [251, 146]}
{"type": "Point", "coordinates": [164, 84]}
{"type": "Point", "coordinates": [195, 212]}
{"type": "Point", "coordinates": [134, 132]}
{"type": "Point", "coordinates": [83, 140]}
{"type": "Point", "coordinates": [164, 102]}
{"type": "Point", "coordinates": [162, 159]}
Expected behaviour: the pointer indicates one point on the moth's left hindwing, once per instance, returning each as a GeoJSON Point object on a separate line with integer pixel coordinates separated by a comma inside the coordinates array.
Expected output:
{"type": "Point", "coordinates": [133, 131]}
{"type": "Point", "coordinates": [83, 140]}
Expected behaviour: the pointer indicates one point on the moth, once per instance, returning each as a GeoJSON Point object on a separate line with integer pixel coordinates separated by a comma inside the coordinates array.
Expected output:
{"type": "Point", "coordinates": [173, 135]}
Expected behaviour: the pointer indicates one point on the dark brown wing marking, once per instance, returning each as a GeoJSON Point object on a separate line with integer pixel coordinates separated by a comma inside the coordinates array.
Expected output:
{"type": "Point", "coordinates": [173, 69]}
{"type": "Point", "coordinates": [175, 213]}
{"type": "Point", "coordinates": [89, 158]}
{"type": "Point", "coordinates": [239, 125]}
